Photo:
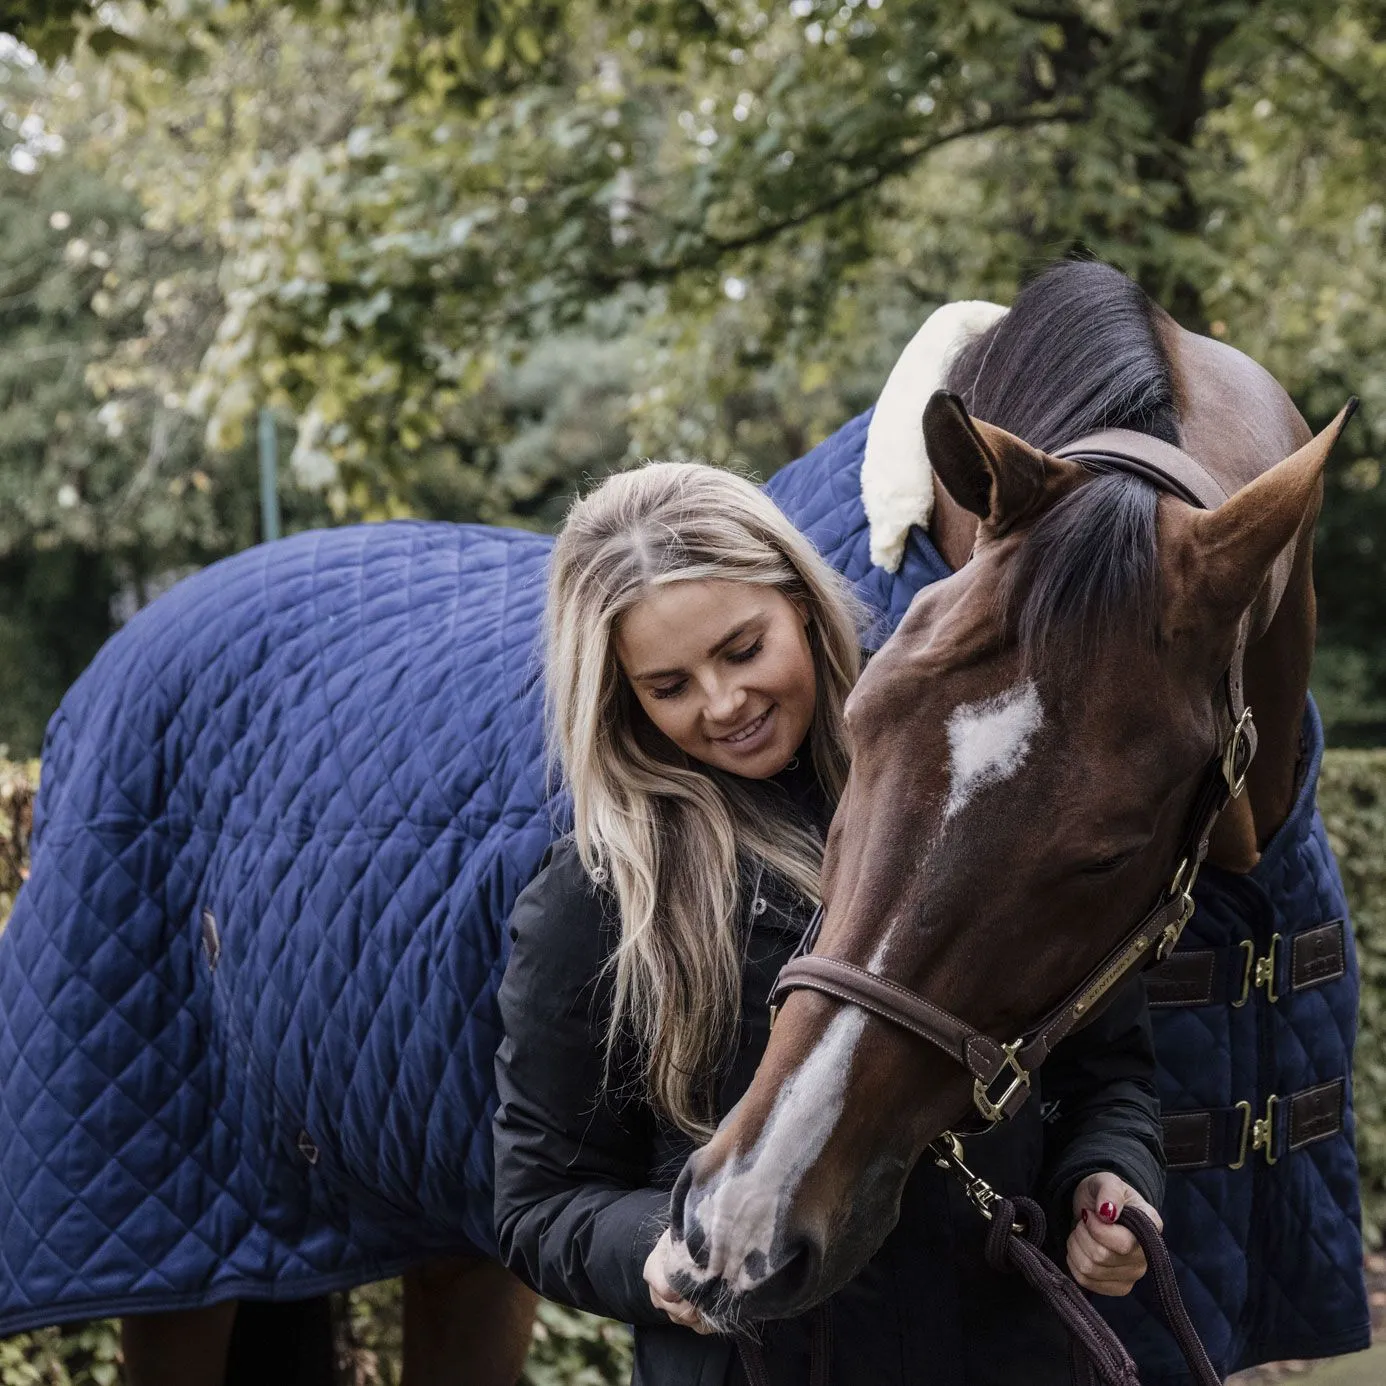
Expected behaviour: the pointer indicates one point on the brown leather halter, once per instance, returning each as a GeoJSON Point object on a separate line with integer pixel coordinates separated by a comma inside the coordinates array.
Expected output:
{"type": "Point", "coordinates": [995, 1064]}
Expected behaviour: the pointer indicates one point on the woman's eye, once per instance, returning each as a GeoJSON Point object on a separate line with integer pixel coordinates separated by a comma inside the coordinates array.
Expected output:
{"type": "Point", "coordinates": [669, 691]}
{"type": "Point", "coordinates": [748, 654]}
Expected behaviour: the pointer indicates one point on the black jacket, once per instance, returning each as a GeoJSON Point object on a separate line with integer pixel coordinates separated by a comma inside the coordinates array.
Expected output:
{"type": "Point", "coordinates": [583, 1172]}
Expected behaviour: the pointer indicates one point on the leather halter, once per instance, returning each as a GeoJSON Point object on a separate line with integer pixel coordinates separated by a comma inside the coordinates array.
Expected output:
{"type": "Point", "coordinates": [991, 1062]}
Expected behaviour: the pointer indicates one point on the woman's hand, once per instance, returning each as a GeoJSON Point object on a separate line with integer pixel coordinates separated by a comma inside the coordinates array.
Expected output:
{"type": "Point", "coordinates": [1104, 1258]}
{"type": "Point", "coordinates": [664, 1296]}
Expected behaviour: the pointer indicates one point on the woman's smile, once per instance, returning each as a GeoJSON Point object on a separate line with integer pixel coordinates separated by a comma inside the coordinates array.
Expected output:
{"type": "Point", "coordinates": [750, 736]}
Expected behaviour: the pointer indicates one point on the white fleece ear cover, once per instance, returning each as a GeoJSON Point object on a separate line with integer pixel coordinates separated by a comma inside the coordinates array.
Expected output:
{"type": "Point", "coordinates": [897, 482]}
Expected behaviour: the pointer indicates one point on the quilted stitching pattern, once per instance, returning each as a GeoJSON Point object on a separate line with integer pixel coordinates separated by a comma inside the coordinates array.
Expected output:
{"type": "Point", "coordinates": [332, 744]}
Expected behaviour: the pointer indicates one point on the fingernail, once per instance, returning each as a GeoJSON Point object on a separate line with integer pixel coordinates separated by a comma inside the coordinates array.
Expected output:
{"type": "Point", "coordinates": [1107, 1212]}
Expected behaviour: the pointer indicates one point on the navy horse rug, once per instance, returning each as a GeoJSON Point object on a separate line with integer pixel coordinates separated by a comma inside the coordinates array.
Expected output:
{"type": "Point", "coordinates": [247, 996]}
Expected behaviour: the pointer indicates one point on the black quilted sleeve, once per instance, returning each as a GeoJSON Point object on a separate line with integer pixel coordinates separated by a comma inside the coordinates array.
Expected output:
{"type": "Point", "coordinates": [575, 1216]}
{"type": "Point", "coordinates": [1103, 1111]}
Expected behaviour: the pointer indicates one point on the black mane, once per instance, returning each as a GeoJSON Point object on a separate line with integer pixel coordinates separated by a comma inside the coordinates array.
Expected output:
{"type": "Point", "coordinates": [1077, 352]}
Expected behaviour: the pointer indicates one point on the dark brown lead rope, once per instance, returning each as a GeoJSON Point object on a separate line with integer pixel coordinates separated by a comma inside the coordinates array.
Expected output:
{"type": "Point", "coordinates": [820, 1352]}
{"type": "Point", "coordinates": [1171, 1302]}
{"type": "Point", "coordinates": [1013, 1243]}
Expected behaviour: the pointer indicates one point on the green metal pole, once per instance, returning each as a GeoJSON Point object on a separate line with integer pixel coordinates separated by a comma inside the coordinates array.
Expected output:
{"type": "Point", "coordinates": [269, 477]}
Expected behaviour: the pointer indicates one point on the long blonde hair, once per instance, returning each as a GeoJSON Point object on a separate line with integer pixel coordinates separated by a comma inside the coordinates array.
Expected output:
{"type": "Point", "coordinates": [668, 833]}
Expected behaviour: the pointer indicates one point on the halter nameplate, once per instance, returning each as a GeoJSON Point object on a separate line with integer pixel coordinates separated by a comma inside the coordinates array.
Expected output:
{"type": "Point", "coordinates": [1155, 936]}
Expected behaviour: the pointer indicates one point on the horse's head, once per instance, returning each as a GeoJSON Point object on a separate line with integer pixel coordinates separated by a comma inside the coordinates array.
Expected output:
{"type": "Point", "coordinates": [1026, 752]}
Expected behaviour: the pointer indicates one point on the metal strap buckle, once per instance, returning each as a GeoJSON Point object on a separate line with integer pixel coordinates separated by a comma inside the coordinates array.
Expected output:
{"type": "Point", "coordinates": [993, 1109]}
{"type": "Point", "coordinates": [1265, 971]}
{"type": "Point", "coordinates": [1248, 963]}
{"type": "Point", "coordinates": [1236, 758]}
{"type": "Point", "coordinates": [1261, 1132]}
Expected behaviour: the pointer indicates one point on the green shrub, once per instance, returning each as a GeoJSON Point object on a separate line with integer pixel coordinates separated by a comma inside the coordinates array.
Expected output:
{"type": "Point", "coordinates": [567, 1349]}
{"type": "Point", "coordinates": [16, 821]}
{"type": "Point", "coordinates": [1352, 798]}
{"type": "Point", "coordinates": [571, 1349]}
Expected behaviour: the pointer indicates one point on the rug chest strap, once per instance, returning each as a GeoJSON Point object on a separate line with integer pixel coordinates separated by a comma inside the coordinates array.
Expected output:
{"type": "Point", "coordinates": [1229, 1137]}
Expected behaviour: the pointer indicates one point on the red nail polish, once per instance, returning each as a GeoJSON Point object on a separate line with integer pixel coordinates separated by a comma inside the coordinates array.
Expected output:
{"type": "Point", "coordinates": [1107, 1212]}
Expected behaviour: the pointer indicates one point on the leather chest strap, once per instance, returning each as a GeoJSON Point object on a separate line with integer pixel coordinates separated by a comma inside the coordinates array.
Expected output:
{"type": "Point", "coordinates": [1228, 1137]}
{"type": "Point", "coordinates": [1228, 975]}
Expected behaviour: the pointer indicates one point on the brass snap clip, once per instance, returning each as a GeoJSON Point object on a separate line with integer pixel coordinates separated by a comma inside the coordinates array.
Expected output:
{"type": "Point", "coordinates": [1248, 964]}
{"type": "Point", "coordinates": [947, 1152]}
{"type": "Point", "coordinates": [1265, 971]}
{"type": "Point", "coordinates": [1263, 1133]}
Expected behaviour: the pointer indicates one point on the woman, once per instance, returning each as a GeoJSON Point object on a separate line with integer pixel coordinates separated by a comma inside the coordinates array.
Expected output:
{"type": "Point", "coordinates": [699, 653]}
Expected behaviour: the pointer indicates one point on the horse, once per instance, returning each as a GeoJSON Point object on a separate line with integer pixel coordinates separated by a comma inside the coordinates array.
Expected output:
{"type": "Point", "coordinates": [1030, 750]}
{"type": "Point", "coordinates": [247, 994]}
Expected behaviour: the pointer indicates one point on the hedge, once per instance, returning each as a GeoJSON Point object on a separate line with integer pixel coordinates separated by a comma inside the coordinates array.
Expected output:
{"type": "Point", "coordinates": [1352, 799]}
{"type": "Point", "coordinates": [574, 1350]}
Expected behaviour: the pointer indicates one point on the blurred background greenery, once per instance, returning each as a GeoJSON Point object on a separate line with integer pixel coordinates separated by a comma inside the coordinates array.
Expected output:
{"type": "Point", "coordinates": [468, 251]}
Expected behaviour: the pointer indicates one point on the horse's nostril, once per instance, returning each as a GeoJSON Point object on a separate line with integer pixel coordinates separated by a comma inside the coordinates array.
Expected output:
{"type": "Point", "coordinates": [695, 1242]}
{"type": "Point", "coordinates": [678, 1199]}
{"type": "Point", "coordinates": [693, 1236]}
{"type": "Point", "coordinates": [790, 1282]}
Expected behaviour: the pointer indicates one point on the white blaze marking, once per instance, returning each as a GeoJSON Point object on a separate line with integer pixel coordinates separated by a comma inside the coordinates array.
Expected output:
{"type": "Point", "coordinates": [897, 483]}
{"type": "Point", "coordinates": [740, 1212]}
{"type": "Point", "coordinates": [989, 741]}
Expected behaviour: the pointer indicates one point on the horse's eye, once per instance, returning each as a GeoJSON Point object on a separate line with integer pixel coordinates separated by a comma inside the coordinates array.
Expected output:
{"type": "Point", "coordinates": [1104, 866]}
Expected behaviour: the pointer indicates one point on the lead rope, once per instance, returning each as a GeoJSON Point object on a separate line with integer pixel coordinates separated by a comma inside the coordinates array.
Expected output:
{"type": "Point", "coordinates": [820, 1351]}
{"type": "Point", "coordinates": [1167, 1291]}
{"type": "Point", "coordinates": [1013, 1243]}
{"type": "Point", "coordinates": [1014, 1237]}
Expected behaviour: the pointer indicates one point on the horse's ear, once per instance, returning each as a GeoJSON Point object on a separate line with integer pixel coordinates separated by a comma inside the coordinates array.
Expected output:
{"type": "Point", "coordinates": [986, 470]}
{"type": "Point", "coordinates": [1233, 547]}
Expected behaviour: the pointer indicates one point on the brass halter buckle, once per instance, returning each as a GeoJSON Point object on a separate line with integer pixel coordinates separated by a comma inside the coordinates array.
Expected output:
{"type": "Point", "coordinates": [1236, 758]}
{"type": "Point", "coordinates": [995, 1109]}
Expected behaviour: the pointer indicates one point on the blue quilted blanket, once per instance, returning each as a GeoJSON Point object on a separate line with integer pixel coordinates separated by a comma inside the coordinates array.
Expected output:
{"type": "Point", "coordinates": [247, 997]}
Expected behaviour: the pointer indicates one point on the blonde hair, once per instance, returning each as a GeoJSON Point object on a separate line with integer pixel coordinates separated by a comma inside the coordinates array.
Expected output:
{"type": "Point", "coordinates": [669, 833]}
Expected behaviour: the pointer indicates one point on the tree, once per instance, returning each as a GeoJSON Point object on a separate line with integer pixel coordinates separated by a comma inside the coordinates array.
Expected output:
{"type": "Point", "coordinates": [747, 205]}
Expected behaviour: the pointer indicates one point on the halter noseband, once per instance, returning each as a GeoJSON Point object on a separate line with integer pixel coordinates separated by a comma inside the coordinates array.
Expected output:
{"type": "Point", "coordinates": [990, 1062]}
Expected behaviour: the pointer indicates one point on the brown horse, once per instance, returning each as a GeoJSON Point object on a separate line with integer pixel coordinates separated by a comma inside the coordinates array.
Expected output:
{"type": "Point", "coordinates": [1026, 749]}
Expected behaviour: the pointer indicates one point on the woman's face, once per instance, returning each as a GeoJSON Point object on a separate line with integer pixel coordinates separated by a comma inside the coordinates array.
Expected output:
{"type": "Point", "coordinates": [724, 670]}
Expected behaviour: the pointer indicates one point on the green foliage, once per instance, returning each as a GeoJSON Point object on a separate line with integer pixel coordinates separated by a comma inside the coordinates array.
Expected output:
{"type": "Point", "coordinates": [572, 1349]}
{"type": "Point", "coordinates": [1352, 798]}
{"type": "Point", "coordinates": [758, 201]}
{"type": "Point", "coordinates": [84, 1356]}
{"type": "Point", "coordinates": [368, 216]}
{"type": "Point", "coordinates": [567, 1349]}
{"type": "Point", "coordinates": [17, 786]}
